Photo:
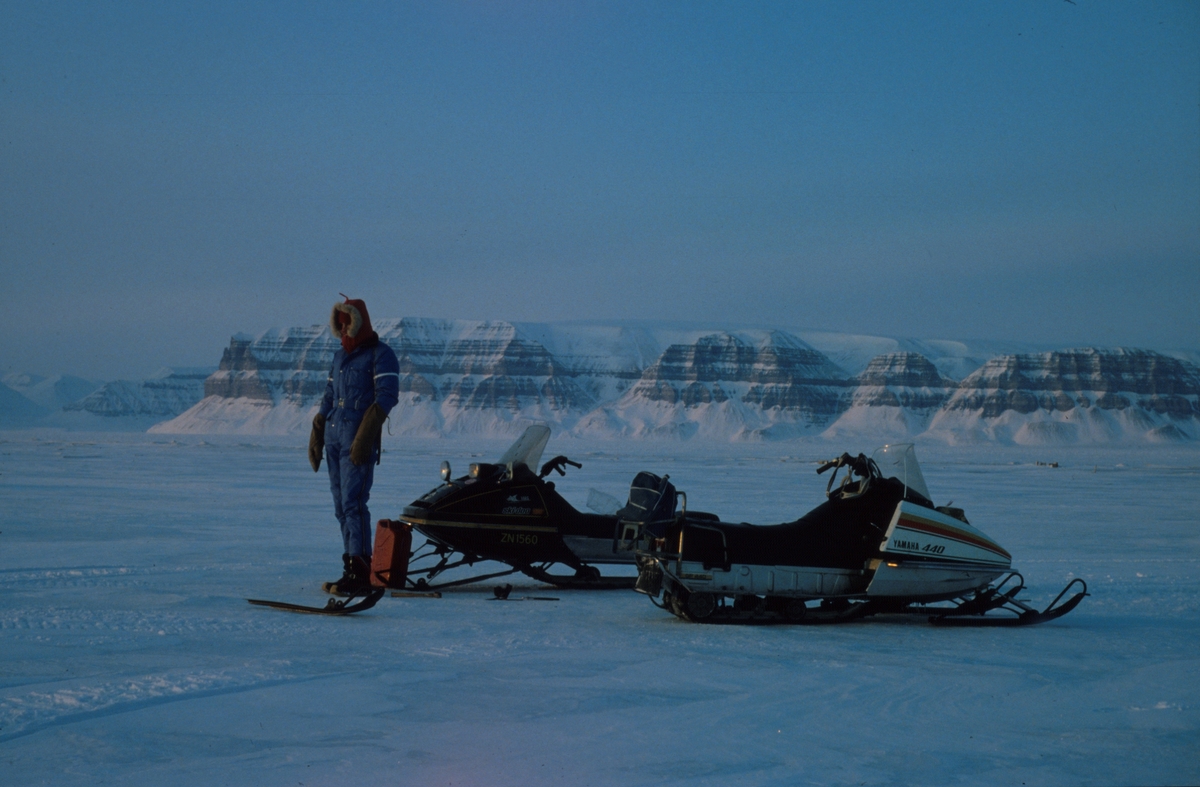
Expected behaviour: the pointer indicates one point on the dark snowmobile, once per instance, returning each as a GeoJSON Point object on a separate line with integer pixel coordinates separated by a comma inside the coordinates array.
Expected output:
{"type": "Point", "coordinates": [508, 513]}
{"type": "Point", "coordinates": [877, 545]}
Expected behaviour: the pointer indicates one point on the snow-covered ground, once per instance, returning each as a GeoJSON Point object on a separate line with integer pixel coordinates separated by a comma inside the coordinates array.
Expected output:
{"type": "Point", "coordinates": [128, 654]}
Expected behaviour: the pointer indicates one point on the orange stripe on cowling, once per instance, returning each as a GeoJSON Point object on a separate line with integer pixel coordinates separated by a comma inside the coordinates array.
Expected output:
{"type": "Point", "coordinates": [955, 534]}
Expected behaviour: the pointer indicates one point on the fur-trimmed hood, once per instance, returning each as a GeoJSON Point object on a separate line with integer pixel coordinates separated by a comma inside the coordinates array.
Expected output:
{"type": "Point", "coordinates": [351, 323]}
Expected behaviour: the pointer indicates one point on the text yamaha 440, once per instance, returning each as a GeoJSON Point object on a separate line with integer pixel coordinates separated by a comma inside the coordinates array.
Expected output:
{"type": "Point", "coordinates": [877, 545]}
{"type": "Point", "coordinates": [506, 512]}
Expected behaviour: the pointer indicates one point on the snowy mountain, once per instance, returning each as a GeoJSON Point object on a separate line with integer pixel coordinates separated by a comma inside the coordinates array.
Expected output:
{"type": "Point", "coordinates": [64, 401]}
{"type": "Point", "coordinates": [895, 398]}
{"type": "Point", "coordinates": [16, 410]}
{"type": "Point", "coordinates": [750, 385]}
{"type": "Point", "coordinates": [52, 393]}
{"type": "Point", "coordinates": [1084, 395]}
{"type": "Point", "coordinates": [456, 376]}
{"type": "Point", "coordinates": [168, 393]}
{"type": "Point", "coordinates": [954, 359]}
{"type": "Point", "coordinates": [493, 378]}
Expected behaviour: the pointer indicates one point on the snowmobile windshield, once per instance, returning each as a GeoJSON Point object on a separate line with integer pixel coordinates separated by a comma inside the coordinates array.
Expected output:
{"type": "Point", "coordinates": [528, 448]}
{"type": "Point", "coordinates": [899, 461]}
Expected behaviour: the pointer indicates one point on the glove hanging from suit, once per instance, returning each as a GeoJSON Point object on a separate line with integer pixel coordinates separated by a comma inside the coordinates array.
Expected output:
{"type": "Point", "coordinates": [316, 442]}
{"type": "Point", "coordinates": [369, 434]}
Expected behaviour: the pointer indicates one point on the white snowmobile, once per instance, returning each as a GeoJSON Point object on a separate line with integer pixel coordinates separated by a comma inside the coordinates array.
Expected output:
{"type": "Point", "coordinates": [877, 545]}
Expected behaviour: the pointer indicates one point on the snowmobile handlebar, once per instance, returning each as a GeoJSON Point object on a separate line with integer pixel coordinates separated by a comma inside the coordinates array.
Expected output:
{"type": "Point", "coordinates": [558, 464]}
{"type": "Point", "coordinates": [859, 464]}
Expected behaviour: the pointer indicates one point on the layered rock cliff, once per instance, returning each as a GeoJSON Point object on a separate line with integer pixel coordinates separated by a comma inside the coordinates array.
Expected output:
{"type": "Point", "coordinates": [456, 376]}
{"type": "Point", "coordinates": [750, 385]}
{"type": "Point", "coordinates": [1084, 395]}
{"type": "Point", "coordinates": [895, 397]}
{"type": "Point", "coordinates": [494, 378]}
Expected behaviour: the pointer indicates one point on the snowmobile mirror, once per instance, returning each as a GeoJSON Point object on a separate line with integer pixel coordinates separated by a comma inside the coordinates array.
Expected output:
{"type": "Point", "coordinates": [445, 470]}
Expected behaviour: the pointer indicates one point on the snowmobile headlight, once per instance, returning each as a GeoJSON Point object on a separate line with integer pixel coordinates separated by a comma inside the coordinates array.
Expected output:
{"type": "Point", "coordinates": [445, 470]}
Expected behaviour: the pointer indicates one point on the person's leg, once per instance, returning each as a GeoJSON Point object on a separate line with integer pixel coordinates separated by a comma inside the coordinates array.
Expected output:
{"type": "Point", "coordinates": [356, 490]}
{"type": "Point", "coordinates": [333, 461]}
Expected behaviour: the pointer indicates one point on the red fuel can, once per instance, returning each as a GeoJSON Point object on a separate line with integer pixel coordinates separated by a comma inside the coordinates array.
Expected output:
{"type": "Point", "coordinates": [389, 564]}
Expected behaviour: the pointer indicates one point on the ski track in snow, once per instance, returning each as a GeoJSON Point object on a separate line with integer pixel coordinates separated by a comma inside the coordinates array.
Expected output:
{"type": "Point", "coordinates": [129, 655]}
{"type": "Point", "coordinates": [38, 710]}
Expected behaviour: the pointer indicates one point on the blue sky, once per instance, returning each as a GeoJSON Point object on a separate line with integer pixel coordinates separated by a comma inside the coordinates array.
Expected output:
{"type": "Point", "coordinates": [174, 173]}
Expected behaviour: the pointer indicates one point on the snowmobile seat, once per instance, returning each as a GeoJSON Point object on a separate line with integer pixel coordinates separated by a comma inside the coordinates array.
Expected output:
{"type": "Point", "coordinates": [832, 535]}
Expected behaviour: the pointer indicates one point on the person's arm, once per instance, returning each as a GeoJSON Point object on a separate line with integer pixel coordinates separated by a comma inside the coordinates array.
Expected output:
{"type": "Point", "coordinates": [387, 379]}
{"type": "Point", "coordinates": [387, 393]}
{"type": "Point", "coordinates": [316, 438]}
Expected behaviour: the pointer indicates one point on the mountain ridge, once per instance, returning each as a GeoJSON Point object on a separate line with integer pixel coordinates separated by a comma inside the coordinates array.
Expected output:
{"type": "Point", "coordinates": [675, 381]}
{"type": "Point", "coordinates": [659, 380]}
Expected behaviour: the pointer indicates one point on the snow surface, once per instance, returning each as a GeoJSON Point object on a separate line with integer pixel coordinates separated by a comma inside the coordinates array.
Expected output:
{"type": "Point", "coordinates": [131, 657]}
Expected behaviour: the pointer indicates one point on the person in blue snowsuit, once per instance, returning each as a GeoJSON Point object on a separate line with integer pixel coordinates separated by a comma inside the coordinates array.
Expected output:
{"type": "Point", "coordinates": [362, 389]}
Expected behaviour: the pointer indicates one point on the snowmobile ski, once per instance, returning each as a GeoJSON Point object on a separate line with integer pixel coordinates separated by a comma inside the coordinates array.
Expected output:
{"type": "Point", "coordinates": [332, 607]}
{"type": "Point", "coordinates": [1024, 614]}
{"type": "Point", "coordinates": [416, 594]}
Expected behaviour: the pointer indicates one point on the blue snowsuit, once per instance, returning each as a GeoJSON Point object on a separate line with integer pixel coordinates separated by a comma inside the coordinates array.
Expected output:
{"type": "Point", "coordinates": [366, 376]}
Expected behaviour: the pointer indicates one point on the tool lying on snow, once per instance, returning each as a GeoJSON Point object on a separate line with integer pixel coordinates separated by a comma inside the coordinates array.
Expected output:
{"type": "Point", "coordinates": [502, 593]}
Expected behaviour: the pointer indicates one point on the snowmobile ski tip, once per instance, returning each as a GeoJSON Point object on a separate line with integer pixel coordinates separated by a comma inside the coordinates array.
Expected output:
{"type": "Point", "coordinates": [1028, 616]}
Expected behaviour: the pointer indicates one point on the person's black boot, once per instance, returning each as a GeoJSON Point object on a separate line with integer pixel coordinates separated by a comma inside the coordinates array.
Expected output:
{"type": "Point", "coordinates": [357, 579]}
{"type": "Point", "coordinates": [331, 587]}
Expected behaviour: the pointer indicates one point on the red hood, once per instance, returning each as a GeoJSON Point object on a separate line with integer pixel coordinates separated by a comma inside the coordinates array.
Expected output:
{"type": "Point", "coordinates": [350, 322]}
